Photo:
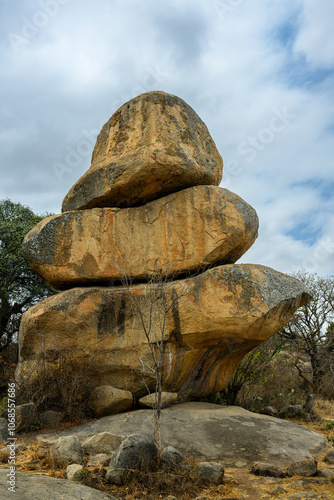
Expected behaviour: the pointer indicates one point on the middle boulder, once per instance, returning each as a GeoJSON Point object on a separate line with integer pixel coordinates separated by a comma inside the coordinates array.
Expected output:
{"type": "Point", "coordinates": [180, 233]}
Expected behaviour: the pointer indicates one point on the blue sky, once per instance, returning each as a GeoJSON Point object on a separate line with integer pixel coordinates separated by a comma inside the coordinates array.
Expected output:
{"type": "Point", "coordinates": [260, 74]}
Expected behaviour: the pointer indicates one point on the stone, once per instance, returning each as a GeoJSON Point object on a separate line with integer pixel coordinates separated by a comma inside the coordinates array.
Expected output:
{"type": "Point", "coordinates": [101, 459]}
{"type": "Point", "coordinates": [269, 410]}
{"type": "Point", "coordinates": [326, 473]}
{"type": "Point", "coordinates": [291, 411]}
{"type": "Point", "coordinates": [167, 399]}
{"type": "Point", "coordinates": [267, 469]}
{"type": "Point", "coordinates": [67, 449]}
{"type": "Point", "coordinates": [180, 233]}
{"type": "Point", "coordinates": [3, 430]}
{"type": "Point", "coordinates": [135, 452]}
{"type": "Point", "coordinates": [213, 320]}
{"type": "Point", "coordinates": [104, 442]}
{"type": "Point", "coordinates": [153, 145]}
{"type": "Point", "coordinates": [223, 434]}
{"type": "Point", "coordinates": [277, 490]}
{"type": "Point", "coordinates": [329, 458]}
{"type": "Point", "coordinates": [304, 495]}
{"type": "Point", "coordinates": [209, 472]}
{"type": "Point", "coordinates": [25, 416]}
{"type": "Point", "coordinates": [306, 468]}
{"type": "Point", "coordinates": [116, 475]}
{"type": "Point", "coordinates": [38, 487]}
{"type": "Point", "coordinates": [171, 455]}
{"type": "Point", "coordinates": [51, 417]}
{"type": "Point", "coordinates": [107, 400]}
{"type": "Point", "coordinates": [74, 471]}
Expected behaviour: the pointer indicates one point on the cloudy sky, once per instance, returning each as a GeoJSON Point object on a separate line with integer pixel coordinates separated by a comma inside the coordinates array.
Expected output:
{"type": "Point", "coordinates": [259, 73]}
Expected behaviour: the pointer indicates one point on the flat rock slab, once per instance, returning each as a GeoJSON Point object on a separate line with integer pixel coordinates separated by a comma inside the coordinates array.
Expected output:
{"type": "Point", "coordinates": [38, 487]}
{"type": "Point", "coordinates": [210, 323]}
{"type": "Point", "coordinates": [180, 233]}
{"type": "Point", "coordinates": [153, 145]}
{"type": "Point", "coordinates": [209, 432]}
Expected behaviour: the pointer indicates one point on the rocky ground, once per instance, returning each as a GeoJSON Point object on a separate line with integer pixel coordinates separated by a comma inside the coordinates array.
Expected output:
{"type": "Point", "coordinates": [239, 482]}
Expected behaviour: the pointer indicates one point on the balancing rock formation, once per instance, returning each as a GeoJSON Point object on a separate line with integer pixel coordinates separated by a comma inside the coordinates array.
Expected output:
{"type": "Point", "coordinates": [148, 216]}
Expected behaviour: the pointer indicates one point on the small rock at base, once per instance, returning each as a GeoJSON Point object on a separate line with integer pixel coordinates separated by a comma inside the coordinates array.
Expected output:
{"type": "Point", "coordinates": [210, 472]}
{"type": "Point", "coordinates": [99, 459]}
{"type": "Point", "coordinates": [167, 399]}
{"type": "Point", "coordinates": [67, 449]}
{"type": "Point", "coordinates": [104, 442]}
{"type": "Point", "coordinates": [329, 458]}
{"type": "Point", "coordinates": [306, 468]}
{"type": "Point", "coordinates": [326, 473]}
{"type": "Point", "coordinates": [116, 476]}
{"type": "Point", "coordinates": [73, 471]}
{"type": "Point", "coordinates": [171, 455]}
{"type": "Point", "coordinates": [269, 410]}
{"type": "Point", "coordinates": [277, 490]}
{"type": "Point", "coordinates": [264, 469]}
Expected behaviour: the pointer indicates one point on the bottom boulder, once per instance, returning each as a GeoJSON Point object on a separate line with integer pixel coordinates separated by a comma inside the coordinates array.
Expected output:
{"type": "Point", "coordinates": [208, 432]}
{"type": "Point", "coordinates": [208, 322]}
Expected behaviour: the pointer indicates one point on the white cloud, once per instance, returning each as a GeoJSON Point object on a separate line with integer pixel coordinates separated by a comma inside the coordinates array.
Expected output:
{"type": "Point", "coordinates": [239, 64]}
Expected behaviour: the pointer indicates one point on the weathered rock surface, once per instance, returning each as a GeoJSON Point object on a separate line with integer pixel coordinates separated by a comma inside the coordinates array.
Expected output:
{"type": "Point", "coordinates": [213, 320]}
{"type": "Point", "coordinates": [99, 459]}
{"type": "Point", "coordinates": [209, 472]}
{"type": "Point", "coordinates": [107, 400]}
{"type": "Point", "coordinates": [35, 487]}
{"type": "Point", "coordinates": [3, 430]}
{"type": "Point", "coordinates": [51, 417]}
{"type": "Point", "coordinates": [135, 452]}
{"type": "Point", "coordinates": [73, 471]}
{"type": "Point", "coordinates": [67, 449]}
{"type": "Point", "coordinates": [153, 145]}
{"type": "Point", "coordinates": [228, 434]}
{"type": "Point", "coordinates": [167, 399]}
{"type": "Point", "coordinates": [306, 468]}
{"type": "Point", "coordinates": [105, 442]}
{"type": "Point", "coordinates": [194, 228]}
{"type": "Point", "coordinates": [171, 455]}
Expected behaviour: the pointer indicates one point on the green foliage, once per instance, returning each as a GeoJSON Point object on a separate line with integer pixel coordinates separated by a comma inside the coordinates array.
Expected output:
{"type": "Point", "coordinates": [3, 403]}
{"type": "Point", "coordinates": [20, 287]}
{"type": "Point", "coordinates": [37, 424]}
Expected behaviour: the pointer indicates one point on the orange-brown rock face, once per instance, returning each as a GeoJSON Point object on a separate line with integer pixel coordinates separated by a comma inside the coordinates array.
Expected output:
{"type": "Point", "coordinates": [153, 145]}
{"type": "Point", "coordinates": [212, 321]}
{"type": "Point", "coordinates": [179, 233]}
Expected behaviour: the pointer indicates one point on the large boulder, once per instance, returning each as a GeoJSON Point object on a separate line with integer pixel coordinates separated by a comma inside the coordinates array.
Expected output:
{"type": "Point", "coordinates": [153, 145]}
{"type": "Point", "coordinates": [38, 487]}
{"type": "Point", "coordinates": [210, 322]}
{"type": "Point", "coordinates": [227, 434]}
{"type": "Point", "coordinates": [180, 233]}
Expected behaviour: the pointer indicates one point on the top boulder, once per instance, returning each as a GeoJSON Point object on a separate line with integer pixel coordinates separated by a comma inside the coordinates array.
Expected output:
{"type": "Point", "coordinates": [153, 145]}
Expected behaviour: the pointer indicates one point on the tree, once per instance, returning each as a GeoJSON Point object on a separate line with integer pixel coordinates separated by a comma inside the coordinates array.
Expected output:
{"type": "Point", "coordinates": [20, 287]}
{"type": "Point", "coordinates": [152, 307]}
{"type": "Point", "coordinates": [311, 330]}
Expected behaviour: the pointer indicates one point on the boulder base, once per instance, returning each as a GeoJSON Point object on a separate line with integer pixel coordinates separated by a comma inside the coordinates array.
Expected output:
{"type": "Point", "coordinates": [210, 322]}
{"type": "Point", "coordinates": [227, 434]}
{"type": "Point", "coordinates": [153, 145]}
